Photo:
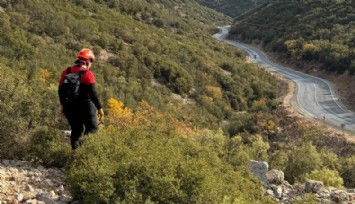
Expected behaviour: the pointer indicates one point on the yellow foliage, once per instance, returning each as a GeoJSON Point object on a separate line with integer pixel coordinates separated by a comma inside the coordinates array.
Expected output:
{"type": "Point", "coordinates": [216, 92]}
{"type": "Point", "coordinates": [270, 125]}
{"type": "Point", "coordinates": [117, 109]}
{"type": "Point", "coordinates": [118, 114]}
{"type": "Point", "coordinates": [184, 129]}
{"type": "Point", "coordinates": [290, 44]}
{"type": "Point", "coordinates": [43, 75]}
{"type": "Point", "coordinates": [123, 117]}
{"type": "Point", "coordinates": [146, 113]}
{"type": "Point", "coordinates": [147, 116]}
{"type": "Point", "coordinates": [309, 46]}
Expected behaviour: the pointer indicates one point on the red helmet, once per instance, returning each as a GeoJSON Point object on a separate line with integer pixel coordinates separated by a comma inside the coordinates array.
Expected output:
{"type": "Point", "coordinates": [86, 54]}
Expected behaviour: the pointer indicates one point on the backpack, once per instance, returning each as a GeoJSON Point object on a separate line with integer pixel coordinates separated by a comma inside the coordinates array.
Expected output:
{"type": "Point", "coordinates": [69, 91]}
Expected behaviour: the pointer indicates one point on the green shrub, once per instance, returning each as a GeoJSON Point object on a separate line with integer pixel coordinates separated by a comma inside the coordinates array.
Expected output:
{"type": "Point", "coordinates": [347, 172]}
{"type": "Point", "coordinates": [241, 149]}
{"type": "Point", "coordinates": [140, 166]}
{"type": "Point", "coordinates": [15, 114]}
{"type": "Point", "coordinates": [279, 161]}
{"type": "Point", "coordinates": [330, 160]}
{"type": "Point", "coordinates": [327, 176]}
{"type": "Point", "coordinates": [49, 147]}
{"type": "Point", "coordinates": [302, 160]}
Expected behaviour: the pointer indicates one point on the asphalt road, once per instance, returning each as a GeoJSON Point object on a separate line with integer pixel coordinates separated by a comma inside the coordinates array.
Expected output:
{"type": "Point", "coordinates": [315, 97]}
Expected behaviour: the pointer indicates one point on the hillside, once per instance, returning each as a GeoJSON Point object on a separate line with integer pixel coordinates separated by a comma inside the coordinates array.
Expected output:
{"type": "Point", "coordinates": [149, 52]}
{"type": "Point", "coordinates": [151, 57]}
{"type": "Point", "coordinates": [314, 36]}
{"type": "Point", "coordinates": [232, 8]}
{"type": "Point", "coordinates": [184, 113]}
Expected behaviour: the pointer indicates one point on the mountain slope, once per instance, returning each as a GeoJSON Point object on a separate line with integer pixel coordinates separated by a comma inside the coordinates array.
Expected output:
{"type": "Point", "coordinates": [142, 44]}
{"type": "Point", "coordinates": [145, 51]}
{"type": "Point", "coordinates": [232, 8]}
{"type": "Point", "coordinates": [314, 36]}
{"type": "Point", "coordinates": [184, 113]}
{"type": "Point", "coordinates": [310, 31]}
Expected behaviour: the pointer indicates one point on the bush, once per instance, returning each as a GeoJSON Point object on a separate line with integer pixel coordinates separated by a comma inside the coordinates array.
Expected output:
{"type": "Point", "coordinates": [302, 160]}
{"type": "Point", "coordinates": [49, 147]}
{"type": "Point", "coordinates": [327, 176]}
{"type": "Point", "coordinates": [241, 149]}
{"type": "Point", "coordinates": [15, 114]}
{"type": "Point", "coordinates": [347, 172]}
{"type": "Point", "coordinates": [139, 166]}
{"type": "Point", "coordinates": [279, 161]}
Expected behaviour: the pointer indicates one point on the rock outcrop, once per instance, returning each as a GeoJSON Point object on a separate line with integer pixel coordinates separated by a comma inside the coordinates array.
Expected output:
{"type": "Point", "coordinates": [276, 186]}
{"type": "Point", "coordinates": [21, 183]}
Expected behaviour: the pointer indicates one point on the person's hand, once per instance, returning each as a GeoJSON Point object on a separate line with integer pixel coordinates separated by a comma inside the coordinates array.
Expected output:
{"type": "Point", "coordinates": [100, 114]}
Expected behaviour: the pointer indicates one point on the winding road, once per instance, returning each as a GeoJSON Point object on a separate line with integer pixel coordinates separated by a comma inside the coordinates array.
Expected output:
{"type": "Point", "coordinates": [315, 97]}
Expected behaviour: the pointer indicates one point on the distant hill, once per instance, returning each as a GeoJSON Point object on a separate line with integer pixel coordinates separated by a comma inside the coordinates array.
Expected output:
{"type": "Point", "coordinates": [232, 8]}
{"type": "Point", "coordinates": [316, 31]}
{"type": "Point", "coordinates": [315, 36]}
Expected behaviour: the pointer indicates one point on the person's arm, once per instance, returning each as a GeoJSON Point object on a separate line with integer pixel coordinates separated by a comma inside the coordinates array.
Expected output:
{"type": "Point", "coordinates": [93, 96]}
{"type": "Point", "coordinates": [60, 95]}
{"type": "Point", "coordinates": [89, 80]}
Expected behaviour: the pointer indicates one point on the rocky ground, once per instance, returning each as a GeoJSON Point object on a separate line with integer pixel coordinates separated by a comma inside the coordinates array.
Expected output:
{"type": "Point", "coordinates": [285, 193]}
{"type": "Point", "coordinates": [22, 183]}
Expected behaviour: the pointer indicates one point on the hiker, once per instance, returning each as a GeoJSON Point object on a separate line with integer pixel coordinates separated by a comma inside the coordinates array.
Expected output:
{"type": "Point", "coordinates": [77, 94]}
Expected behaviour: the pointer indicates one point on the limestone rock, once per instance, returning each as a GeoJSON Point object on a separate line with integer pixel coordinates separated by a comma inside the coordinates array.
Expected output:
{"type": "Point", "coordinates": [314, 186]}
{"type": "Point", "coordinates": [275, 177]}
{"type": "Point", "coordinates": [21, 183]}
{"type": "Point", "coordinates": [339, 196]}
{"type": "Point", "coordinates": [285, 193]}
{"type": "Point", "coordinates": [259, 170]}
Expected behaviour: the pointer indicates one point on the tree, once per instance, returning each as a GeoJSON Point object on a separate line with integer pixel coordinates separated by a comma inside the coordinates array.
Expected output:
{"type": "Point", "coordinates": [302, 160]}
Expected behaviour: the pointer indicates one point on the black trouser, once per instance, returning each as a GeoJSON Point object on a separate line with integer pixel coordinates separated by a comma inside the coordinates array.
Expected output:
{"type": "Point", "coordinates": [82, 119]}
